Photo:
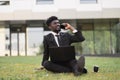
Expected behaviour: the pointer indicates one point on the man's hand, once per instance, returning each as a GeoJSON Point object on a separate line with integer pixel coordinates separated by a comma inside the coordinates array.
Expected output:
{"type": "Point", "coordinates": [68, 26]}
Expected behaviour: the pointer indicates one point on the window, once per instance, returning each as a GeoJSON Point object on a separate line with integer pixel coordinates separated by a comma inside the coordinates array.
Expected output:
{"type": "Point", "coordinates": [4, 2]}
{"type": "Point", "coordinates": [44, 1]}
{"type": "Point", "coordinates": [88, 1]}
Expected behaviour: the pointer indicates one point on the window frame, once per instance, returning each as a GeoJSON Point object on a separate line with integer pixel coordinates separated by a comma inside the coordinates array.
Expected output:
{"type": "Point", "coordinates": [42, 2]}
{"type": "Point", "coordinates": [5, 2]}
{"type": "Point", "coordinates": [88, 1]}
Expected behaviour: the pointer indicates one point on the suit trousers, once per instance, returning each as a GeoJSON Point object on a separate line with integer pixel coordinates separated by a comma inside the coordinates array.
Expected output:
{"type": "Point", "coordinates": [60, 67]}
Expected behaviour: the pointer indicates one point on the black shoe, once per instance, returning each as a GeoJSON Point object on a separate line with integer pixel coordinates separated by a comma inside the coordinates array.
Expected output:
{"type": "Point", "coordinates": [84, 71]}
{"type": "Point", "coordinates": [76, 71]}
{"type": "Point", "coordinates": [81, 64]}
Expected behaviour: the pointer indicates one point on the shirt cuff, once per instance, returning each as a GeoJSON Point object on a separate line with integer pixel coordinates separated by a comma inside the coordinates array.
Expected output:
{"type": "Point", "coordinates": [74, 31]}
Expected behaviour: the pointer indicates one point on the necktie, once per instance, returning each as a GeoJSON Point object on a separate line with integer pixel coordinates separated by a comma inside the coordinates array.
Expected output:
{"type": "Point", "coordinates": [59, 40]}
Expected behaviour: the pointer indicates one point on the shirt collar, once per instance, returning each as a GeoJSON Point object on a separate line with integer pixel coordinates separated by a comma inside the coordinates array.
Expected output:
{"type": "Point", "coordinates": [55, 33]}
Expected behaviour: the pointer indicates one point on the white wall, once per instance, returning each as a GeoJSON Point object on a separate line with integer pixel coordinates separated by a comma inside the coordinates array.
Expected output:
{"type": "Point", "coordinates": [58, 4]}
{"type": "Point", "coordinates": [28, 10]}
{"type": "Point", "coordinates": [2, 40]}
{"type": "Point", "coordinates": [21, 4]}
{"type": "Point", "coordinates": [111, 3]}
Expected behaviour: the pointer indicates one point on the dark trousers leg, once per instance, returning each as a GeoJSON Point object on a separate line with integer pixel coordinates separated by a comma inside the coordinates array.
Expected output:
{"type": "Point", "coordinates": [73, 65]}
{"type": "Point", "coordinates": [50, 66]}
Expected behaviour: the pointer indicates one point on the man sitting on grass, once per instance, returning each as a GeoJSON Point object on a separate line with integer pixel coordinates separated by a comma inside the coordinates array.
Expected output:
{"type": "Point", "coordinates": [51, 40]}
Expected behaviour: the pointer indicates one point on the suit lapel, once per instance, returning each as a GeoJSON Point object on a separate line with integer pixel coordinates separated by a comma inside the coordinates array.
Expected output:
{"type": "Point", "coordinates": [53, 39]}
{"type": "Point", "coordinates": [61, 36]}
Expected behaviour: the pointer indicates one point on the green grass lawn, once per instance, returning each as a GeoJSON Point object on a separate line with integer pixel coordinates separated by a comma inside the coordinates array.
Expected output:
{"type": "Point", "coordinates": [22, 68]}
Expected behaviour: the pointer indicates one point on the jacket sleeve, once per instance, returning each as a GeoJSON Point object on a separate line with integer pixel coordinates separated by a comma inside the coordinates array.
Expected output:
{"type": "Point", "coordinates": [76, 37]}
{"type": "Point", "coordinates": [46, 51]}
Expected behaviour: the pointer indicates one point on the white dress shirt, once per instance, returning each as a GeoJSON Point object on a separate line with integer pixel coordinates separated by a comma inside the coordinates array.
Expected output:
{"type": "Point", "coordinates": [56, 39]}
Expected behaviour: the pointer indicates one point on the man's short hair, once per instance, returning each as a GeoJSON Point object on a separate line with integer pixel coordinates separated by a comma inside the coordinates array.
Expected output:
{"type": "Point", "coordinates": [50, 19]}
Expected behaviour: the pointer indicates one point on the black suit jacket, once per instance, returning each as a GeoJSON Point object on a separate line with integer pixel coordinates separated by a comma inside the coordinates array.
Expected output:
{"type": "Point", "coordinates": [66, 40]}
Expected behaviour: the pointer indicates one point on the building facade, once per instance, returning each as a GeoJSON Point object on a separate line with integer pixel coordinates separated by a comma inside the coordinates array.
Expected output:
{"type": "Point", "coordinates": [22, 24]}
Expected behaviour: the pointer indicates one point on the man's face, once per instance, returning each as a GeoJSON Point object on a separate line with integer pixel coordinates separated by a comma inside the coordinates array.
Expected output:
{"type": "Point", "coordinates": [55, 26]}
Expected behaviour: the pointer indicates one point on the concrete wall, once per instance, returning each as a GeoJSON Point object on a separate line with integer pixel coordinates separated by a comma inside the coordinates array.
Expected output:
{"type": "Point", "coordinates": [65, 9]}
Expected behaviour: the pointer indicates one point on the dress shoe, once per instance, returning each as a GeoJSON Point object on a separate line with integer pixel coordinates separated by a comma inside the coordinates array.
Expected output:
{"type": "Point", "coordinates": [81, 64]}
{"type": "Point", "coordinates": [84, 71]}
